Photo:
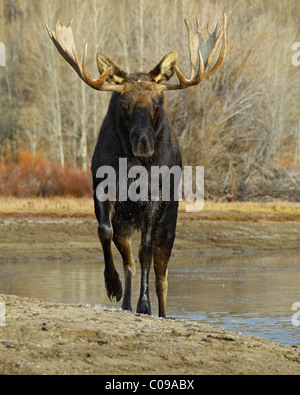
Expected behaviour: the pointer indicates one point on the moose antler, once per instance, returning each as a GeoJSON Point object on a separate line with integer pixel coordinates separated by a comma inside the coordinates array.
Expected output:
{"type": "Point", "coordinates": [202, 48]}
{"type": "Point", "coordinates": [64, 41]}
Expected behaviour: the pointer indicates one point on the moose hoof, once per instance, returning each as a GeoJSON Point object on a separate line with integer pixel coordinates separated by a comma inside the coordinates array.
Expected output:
{"type": "Point", "coordinates": [113, 286]}
{"type": "Point", "coordinates": [143, 307]}
{"type": "Point", "coordinates": [126, 306]}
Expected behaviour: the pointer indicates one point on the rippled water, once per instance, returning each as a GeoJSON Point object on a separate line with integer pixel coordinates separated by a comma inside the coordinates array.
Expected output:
{"type": "Point", "coordinates": [248, 293]}
{"type": "Point", "coordinates": [251, 294]}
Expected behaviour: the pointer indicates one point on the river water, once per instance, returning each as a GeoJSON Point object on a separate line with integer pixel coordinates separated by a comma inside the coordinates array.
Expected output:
{"type": "Point", "coordinates": [246, 293]}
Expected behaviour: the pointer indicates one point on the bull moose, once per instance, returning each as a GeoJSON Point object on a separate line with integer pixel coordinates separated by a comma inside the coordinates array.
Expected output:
{"type": "Point", "coordinates": [137, 128]}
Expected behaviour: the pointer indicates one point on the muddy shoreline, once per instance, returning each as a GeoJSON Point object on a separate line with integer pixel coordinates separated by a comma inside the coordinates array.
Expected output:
{"type": "Point", "coordinates": [50, 338]}
{"type": "Point", "coordinates": [47, 338]}
{"type": "Point", "coordinates": [41, 237]}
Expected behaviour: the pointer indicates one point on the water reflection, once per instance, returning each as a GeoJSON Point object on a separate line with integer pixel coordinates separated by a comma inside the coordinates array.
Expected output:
{"type": "Point", "coordinates": [251, 294]}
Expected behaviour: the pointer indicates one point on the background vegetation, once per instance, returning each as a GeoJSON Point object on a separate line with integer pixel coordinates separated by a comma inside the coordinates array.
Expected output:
{"type": "Point", "coordinates": [243, 124]}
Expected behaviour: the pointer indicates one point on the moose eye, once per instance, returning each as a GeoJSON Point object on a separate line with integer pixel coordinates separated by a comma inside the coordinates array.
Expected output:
{"type": "Point", "coordinates": [125, 105]}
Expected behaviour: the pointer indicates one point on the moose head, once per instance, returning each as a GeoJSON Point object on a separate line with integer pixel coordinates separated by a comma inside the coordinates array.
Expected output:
{"type": "Point", "coordinates": [141, 94]}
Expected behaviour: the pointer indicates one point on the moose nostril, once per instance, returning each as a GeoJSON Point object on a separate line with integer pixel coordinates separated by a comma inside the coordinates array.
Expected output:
{"type": "Point", "coordinates": [142, 141]}
{"type": "Point", "coordinates": [143, 145]}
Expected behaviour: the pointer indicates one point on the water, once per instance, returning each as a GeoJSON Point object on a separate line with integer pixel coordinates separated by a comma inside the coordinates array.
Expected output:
{"type": "Point", "coordinates": [246, 293]}
{"type": "Point", "coordinates": [251, 294]}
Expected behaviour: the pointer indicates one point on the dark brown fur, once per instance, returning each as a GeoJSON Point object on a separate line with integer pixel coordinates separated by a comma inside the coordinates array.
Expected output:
{"type": "Point", "coordinates": [137, 128]}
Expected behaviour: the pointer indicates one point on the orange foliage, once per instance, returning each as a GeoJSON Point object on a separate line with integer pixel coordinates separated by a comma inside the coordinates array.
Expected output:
{"type": "Point", "coordinates": [33, 175]}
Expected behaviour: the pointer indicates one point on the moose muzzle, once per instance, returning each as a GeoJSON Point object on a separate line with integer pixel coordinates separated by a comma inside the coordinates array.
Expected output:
{"type": "Point", "coordinates": [142, 134]}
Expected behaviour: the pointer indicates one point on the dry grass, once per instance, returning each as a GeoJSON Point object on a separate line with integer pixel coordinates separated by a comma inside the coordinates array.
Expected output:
{"type": "Point", "coordinates": [255, 207]}
{"type": "Point", "coordinates": [84, 206]}
{"type": "Point", "coordinates": [55, 205]}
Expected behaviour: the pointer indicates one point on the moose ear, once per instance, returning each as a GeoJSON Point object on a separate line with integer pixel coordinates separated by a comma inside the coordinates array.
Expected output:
{"type": "Point", "coordinates": [165, 69]}
{"type": "Point", "coordinates": [116, 75]}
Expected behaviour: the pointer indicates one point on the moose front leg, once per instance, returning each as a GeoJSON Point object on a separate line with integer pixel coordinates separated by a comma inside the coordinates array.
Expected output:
{"type": "Point", "coordinates": [103, 211]}
{"type": "Point", "coordinates": [162, 250]}
{"type": "Point", "coordinates": [162, 253]}
{"type": "Point", "coordinates": [145, 256]}
{"type": "Point", "coordinates": [151, 219]}
{"type": "Point", "coordinates": [123, 244]}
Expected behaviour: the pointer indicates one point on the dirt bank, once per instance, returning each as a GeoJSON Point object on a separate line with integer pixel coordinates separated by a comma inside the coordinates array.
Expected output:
{"type": "Point", "coordinates": [50, 238]}
{"type": "Point", "coordinates": [45, 338]}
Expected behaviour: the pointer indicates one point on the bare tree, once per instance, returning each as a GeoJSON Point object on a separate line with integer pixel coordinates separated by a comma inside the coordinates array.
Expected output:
{"type": "Point", "coordinates": [242, 124]}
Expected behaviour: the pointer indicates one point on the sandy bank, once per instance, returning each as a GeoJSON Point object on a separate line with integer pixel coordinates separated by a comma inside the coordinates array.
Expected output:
{"type": "Point", "coordinates": [45, 338]}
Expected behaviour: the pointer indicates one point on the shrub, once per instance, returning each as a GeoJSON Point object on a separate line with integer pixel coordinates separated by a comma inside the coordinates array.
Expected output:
{"type": "Point", "coordinates": [34, 176]}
